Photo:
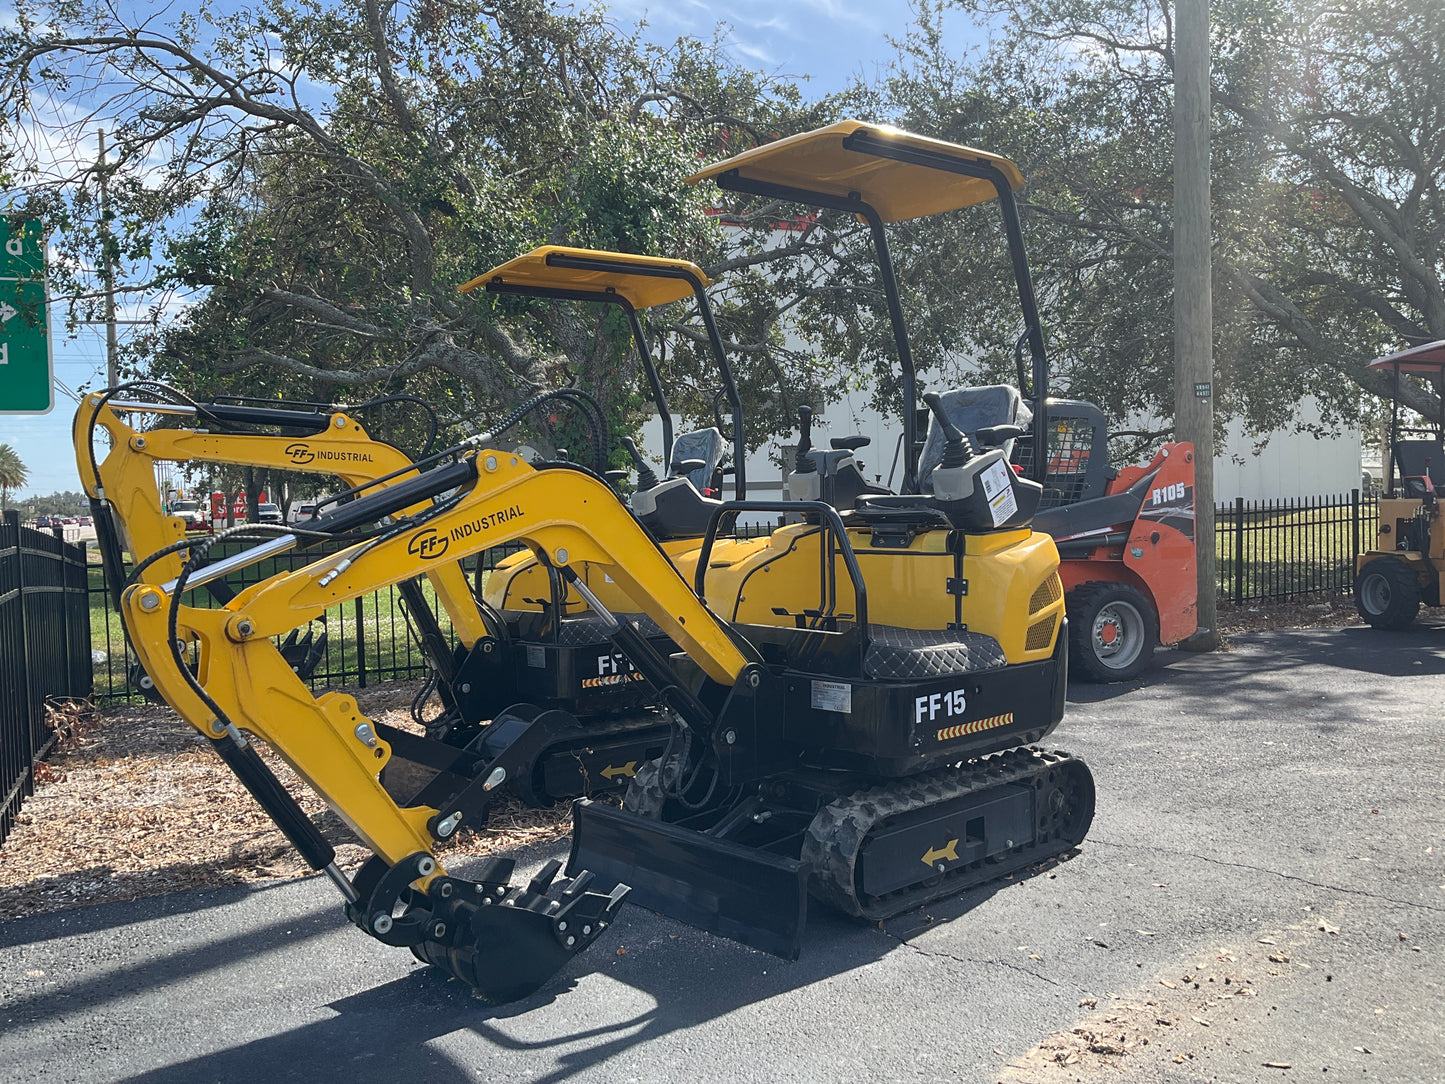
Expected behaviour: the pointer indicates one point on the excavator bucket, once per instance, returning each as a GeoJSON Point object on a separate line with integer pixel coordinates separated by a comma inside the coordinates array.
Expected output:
{"type": "Point", "coordinates": [505, 942]}
{"type": "Point", "coordinates": [741, 893]}
{"type": "Point", "coordinates": [303, 654]}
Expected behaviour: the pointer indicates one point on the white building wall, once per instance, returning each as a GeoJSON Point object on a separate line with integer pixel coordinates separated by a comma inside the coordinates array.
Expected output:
{"type": "Point", "coordinates": [1291, 464]}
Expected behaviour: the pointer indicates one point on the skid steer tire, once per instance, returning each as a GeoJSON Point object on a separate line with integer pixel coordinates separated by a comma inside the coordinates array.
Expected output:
{"type": "Point", "coordinates": [1112, 631]}
{"type": "Point", "coordinates": [1387, 594]}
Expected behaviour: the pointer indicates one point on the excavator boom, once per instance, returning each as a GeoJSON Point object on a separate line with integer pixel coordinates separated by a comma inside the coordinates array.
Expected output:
{"type": "Point", "coordinates": [243, 686]}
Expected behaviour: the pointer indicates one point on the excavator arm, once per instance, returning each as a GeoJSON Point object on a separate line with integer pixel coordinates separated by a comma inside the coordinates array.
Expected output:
{"type": "Point", "coordinates": [566, 516]}
{"type": "Point", "coordinates": [337, 444]}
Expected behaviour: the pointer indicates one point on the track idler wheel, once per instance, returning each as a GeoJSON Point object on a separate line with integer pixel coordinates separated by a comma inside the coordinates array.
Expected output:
{"type": "Point", "coordinates": [504, 942]}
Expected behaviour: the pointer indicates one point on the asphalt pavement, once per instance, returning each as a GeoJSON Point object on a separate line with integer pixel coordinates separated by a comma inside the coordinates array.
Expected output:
{"type": "Point", "coordinates": [1260, 898]}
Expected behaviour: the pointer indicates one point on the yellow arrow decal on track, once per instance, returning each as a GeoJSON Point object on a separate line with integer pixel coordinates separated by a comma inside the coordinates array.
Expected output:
{"type": "Point", "coordinates": [950, 852]}
{"type": "Point", "coordinates": [629, 769]}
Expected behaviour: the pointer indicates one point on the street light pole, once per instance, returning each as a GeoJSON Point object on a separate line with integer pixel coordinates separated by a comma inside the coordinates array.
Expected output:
{"type": "Point", "coordinates": [1193, 301]}
{"type": "Point", "coordinates": [112, 345]}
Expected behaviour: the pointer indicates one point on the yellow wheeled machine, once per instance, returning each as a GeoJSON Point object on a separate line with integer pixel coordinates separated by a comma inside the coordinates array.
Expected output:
{"type": "Point", "coordinates": [1403, 569]}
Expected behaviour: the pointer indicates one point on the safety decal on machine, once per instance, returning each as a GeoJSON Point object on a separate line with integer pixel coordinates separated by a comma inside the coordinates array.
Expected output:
{"type": "Point", "coordinates": [1002, 505]}
{"type": "Point", "coordinates": [604, 680]}
{"type": "Point", "coordinates": [536, 657]}
{"type": "Point", "coordinates": [948, 733]}
{"type": "Point", "coordinates": [833, 696]}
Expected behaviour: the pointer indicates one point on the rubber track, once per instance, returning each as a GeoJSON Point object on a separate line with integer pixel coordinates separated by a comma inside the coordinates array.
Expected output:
{"type": "Point", "coordinates": [837, 834]}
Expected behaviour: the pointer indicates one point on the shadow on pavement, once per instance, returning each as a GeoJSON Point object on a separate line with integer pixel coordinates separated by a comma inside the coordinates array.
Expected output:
{"type": "Point", "coordinates": [84, 919]}
{"type": "Point", "coordinates": [399, 1030]}
{"type": "Point", "coordinates": [166, 966]}
{"type": "Point", "coordinates": [1418, 651]}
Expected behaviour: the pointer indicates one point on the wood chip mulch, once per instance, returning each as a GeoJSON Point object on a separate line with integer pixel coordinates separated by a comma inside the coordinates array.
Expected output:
{"type": "Point", "coordinates": [132, 802]}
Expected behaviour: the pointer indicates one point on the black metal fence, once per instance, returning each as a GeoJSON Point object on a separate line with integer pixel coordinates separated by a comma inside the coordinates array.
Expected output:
{"type": "Point", "coordinates": [44, 650]}
{"type": "Point", "coordinates": [1296, 546]}
{"type": "Point", "coordinates": [1266, 550]}
{"type": "Point", "coordinates": [368, 639]}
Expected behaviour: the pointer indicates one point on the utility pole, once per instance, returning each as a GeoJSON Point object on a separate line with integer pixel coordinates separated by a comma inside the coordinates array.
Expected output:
{"type": "Point", "coordinates": [1193, 301]}
{"type": "Point", "coordinates": [112, 378]}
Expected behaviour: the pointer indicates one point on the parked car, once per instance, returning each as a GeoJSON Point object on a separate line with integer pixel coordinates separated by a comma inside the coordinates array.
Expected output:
{"type": "Point", "coordinates": [309, 509]}
{"type": "Point", "coordinates": [268, 513]}
{"type": "Point", "coordinates": [44, 523]}
{"type": "Point", "coordinates": [192, 513]}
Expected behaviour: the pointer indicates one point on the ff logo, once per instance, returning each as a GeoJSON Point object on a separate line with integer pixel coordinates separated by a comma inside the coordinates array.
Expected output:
{"type": "Point", "coordinates": [300, 453]}
{"type": "Point", "coordinates": [427, 544]}
{"type": "Point", "coordinates": [616, 663]}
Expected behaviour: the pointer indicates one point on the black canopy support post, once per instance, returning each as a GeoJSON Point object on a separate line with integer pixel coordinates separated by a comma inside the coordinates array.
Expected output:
{"type": "Point", "coordinates": [866, 142]}
{"type": "Point", "coordinates": [597, 262]}
{"type": "Point", "coordinates": [644, 353]}
{"type": "Point", "coordinates": [1394, 433]}
{"type": "Point", "coordinates": [731, 181]}
{"type": "Point", "coordinates": [605, 297]}
{"type": "Point", "coordinates": [740, 444]}
{"type": "Point", "coordinates": [1013, 228]}
{"type": "Point", "coordinates": [905, 350]}
{"type": "Point", "coordinates": [1439, 383]}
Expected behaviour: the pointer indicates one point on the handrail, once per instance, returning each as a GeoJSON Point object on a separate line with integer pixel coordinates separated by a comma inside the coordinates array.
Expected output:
{"type": "Point", "coordinates": [832, 523]}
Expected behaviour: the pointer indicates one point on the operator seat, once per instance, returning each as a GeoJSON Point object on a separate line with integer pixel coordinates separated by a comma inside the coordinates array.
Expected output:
{"type": "Point", "coordinates": [832, 477]}
{"type": "Point", "coordinates": [676, 508]}
{"type": "Point", "coordinates": [972, 410]}
{"type": "Point", "coordinates": [1416, 460]}
{"type": "Point", "coordinates": [963, 488]}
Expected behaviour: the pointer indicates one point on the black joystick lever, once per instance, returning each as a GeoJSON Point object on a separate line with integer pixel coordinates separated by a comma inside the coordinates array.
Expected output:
{"type": "Point", "coordinates": [803, 462]}
{"type": "Point", "coordinates": [956, 451]}
{"type": "Point", "coordinates": [646, 476]}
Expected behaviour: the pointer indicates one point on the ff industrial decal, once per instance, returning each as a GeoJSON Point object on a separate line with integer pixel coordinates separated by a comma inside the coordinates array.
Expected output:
{"type": "Point", "coordinates": [429, 543]}
{"type": "Point", "coordinates": [302, 453]}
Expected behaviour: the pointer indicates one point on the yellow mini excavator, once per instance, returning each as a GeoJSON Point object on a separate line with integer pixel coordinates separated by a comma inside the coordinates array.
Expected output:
{"type": "Point", "coordinates": [851, 704]}
{"type": "Point", "coordinates": [478, 669]}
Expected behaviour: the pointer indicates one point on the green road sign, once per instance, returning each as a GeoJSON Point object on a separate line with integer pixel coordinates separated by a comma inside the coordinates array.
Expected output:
{"type": "Point", "coordinates": [22, 248]}
{"type": "Point", "coordinates": [26, 371]}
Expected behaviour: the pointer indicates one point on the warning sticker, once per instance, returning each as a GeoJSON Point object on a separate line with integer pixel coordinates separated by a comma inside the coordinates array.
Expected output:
{"type": "Point", "coordinates": [1001, 502]}
{"type": "Point", "coordinates": [833, 696]}
{"type": "Point", "coordinates": [536, 657]}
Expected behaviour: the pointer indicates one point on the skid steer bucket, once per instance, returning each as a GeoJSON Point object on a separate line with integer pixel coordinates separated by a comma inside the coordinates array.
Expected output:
{"type": "Point", "coordinates": [758, 899]}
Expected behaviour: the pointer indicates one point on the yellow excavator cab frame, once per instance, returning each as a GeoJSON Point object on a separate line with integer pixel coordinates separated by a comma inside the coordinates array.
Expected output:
{"type": "Point", "coordinates": [635, 277]}
{"type": "Point", "coordinates": [819, 161]}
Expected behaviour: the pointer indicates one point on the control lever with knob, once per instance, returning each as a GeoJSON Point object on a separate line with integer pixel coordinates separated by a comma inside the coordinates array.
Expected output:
{"type": "Point", "coordinates": [646, 476]}
{"type": "Point", "coordinates": [803, 462]}
{"type": "Point", "coordinates": [957, 450]}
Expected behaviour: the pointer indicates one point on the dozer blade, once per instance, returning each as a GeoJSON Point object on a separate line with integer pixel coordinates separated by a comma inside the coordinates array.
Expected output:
{"type": "Point", "coordinates": [750, 896]}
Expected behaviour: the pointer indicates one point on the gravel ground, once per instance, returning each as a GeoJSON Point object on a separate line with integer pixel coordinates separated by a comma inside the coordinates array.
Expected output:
{"type": "Point", "coordinates": [132, 802]}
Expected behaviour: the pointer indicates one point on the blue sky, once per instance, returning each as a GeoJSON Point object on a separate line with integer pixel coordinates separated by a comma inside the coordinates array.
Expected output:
{"type": "Point", "coordinates": [830, 41]}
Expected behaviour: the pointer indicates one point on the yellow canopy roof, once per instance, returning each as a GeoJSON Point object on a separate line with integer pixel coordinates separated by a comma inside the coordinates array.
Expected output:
{"type": "Point", "coordinates": [630, 278]}
{"type": "Point", "coordinates": [817, 161]}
